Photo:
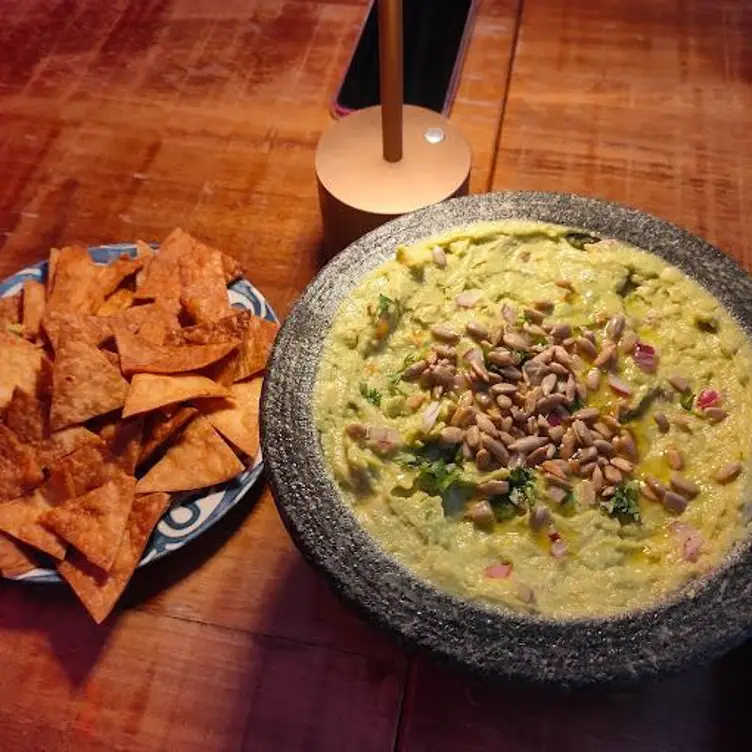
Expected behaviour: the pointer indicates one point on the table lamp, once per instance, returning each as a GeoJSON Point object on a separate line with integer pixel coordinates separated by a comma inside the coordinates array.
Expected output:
{"type": "Point", "coordinates": [383, 161]}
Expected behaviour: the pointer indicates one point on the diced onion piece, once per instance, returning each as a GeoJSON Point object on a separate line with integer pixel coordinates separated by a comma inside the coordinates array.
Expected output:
{"type": "Point", "coordinates": [644, 356]}
{"type": "Point", "coordinates": [558, 549]}
{"type": "Point", "coordinates": [619, 385]}
{"type": "Point", "coordinates": [429, 416]}
{"type": "Point", "coordinates": [708, 398]}
{"type": "Point", "coordinates": [499, 571]}
{"type": "Point", "coordinates": [468, 298]}
{"type": "Point", "coordinates": [554, 419]}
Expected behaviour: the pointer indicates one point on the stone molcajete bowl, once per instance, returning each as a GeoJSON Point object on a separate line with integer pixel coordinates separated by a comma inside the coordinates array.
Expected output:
{"type": "Point", "coordinates": [690, 627]}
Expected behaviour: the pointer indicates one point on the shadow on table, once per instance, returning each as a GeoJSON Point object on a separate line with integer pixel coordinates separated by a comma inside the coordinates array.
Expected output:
{"type": "Point", "coordinates": [699, 710]}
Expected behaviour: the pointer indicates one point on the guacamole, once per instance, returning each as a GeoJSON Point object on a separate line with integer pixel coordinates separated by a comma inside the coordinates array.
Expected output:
{"type": "Point", "coordinates": [539, 418]}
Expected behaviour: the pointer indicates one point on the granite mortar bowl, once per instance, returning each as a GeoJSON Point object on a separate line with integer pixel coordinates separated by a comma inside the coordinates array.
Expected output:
{"type": "Point", "coordinates": [694, 625]}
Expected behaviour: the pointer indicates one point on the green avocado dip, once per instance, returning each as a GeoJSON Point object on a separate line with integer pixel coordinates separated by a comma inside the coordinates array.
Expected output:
{"type": "Point", "coordinates": [537, 418]}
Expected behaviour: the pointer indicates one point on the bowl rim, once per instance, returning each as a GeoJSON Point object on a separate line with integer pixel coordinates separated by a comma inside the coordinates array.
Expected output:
{"type": "Point", "coordinates": [703, 620]}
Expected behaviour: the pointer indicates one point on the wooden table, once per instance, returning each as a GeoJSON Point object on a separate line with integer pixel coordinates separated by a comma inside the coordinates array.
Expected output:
{"type": "Point", "coordinates": [122, 119]}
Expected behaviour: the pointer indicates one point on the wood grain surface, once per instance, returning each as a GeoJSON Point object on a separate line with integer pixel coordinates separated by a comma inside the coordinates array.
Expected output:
{"type": "Point", "coordinates": [121, 120]}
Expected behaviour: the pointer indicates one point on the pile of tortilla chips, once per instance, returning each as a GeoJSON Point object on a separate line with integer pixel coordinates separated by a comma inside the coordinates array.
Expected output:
{"type": "Point", "coordinates": [120, 385]}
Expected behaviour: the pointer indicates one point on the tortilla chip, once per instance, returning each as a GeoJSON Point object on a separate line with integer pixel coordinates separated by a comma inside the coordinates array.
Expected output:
{"type": "Point", "coordinates": [146, 253]}
{"type": "Point", "coordinates": [255, 348]}
{"type": "Point", "coordinates": [161, 278]}
{"type": "Point", "coordinates": [231, 268]}
{"type": "Point", "coordinates": [112, 275]}
{"type": "Point", "coordinates": [76, 285]}
{"type": "Point", "coordinates": [84, 383]}
{"type": "Point", "coordinates": [149, 391]}
{"type": "Point", "coordinates": [95, 329]}
{"type": "Point", "coordinates": [62, 443]}
{"type": "Point", "coordinates": [15, 558]}
{"type": "Point", "coordinates": [51, 269]}
{"type": "Point", "coordinates": [95, 522]}
{"type": "Point", "coordinates": [138, 355]}
{"type": "Point", "coordinates": [20, 518]}
{"type": "Point", "coordinates": [120, 300]}
{"type": "Point", "coordinates": [99, 591]}
{"type": "Point", "coordinates": [79, 472]}
{"type": "Point", "coordinates": [24, 365]}
{"type": "Point", "coordinates": [123, 440]}
{"type": "Point", "coordinates": [228, 329]}
{"type": "Point", "coordinates": [237, 419]}
{"type": "Point", "coordinates": [160, 426]}
{"type": "Point", "coordinates": [19, 468]}
{"type": "Point", "coordinates": [199, 458]}
{"type": "Point", "coordinates": [10, 312]}
{"type": "Point", "coordinates": [27, 416]}
{"type": "Point", "coordinates": [204, 292]}
{"type": "Point", "coordinates": [33, 307]}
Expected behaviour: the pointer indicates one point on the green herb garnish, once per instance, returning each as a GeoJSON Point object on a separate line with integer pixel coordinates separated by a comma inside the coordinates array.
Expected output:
{"type": "Point", "coordinates": [372, 395]}
{"type": "Point", "coordinates": [624, 504]}
{"type": "Point", "coordinates": [577, 404]}
{"type": "Point", "coordinates": [385, 305]}
{"type": "Point", "coordinates": [687, 400]}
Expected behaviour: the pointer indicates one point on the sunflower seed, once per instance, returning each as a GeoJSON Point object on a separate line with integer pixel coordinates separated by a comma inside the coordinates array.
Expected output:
{"type": "Point", "coordinates": [606, 354]}
{"type": "Point", "coordinates": [615, 327]}
{"type": "Point", "coordinates": [714, 414]}
{"type": "Point", "coordinates": [450, 436]}
{"type": "Point", "coordinates": [729, 472]}
{"type": "Point", "coordinates": [586, 493]}
{"type": "Point", "coordinates": [662, 422]}
{"type": "Point", "coordinates": [483, 460]}
{"type": "Point", "coordinates": [684, 486]}
{"type": "Point", "coordinates": [445, 334]}
{"type": "Point", "coordinates": [586, 348]}
{"type": "Point", "coordinates": [486, 425]}
{"type": "Point", "coordinates": [674, 458]}
{"type": "Point", "coordinates": [476, 330]}
{"type": "Point", "coordinates": [356, 430]}
{"type": "Point", "coordinates": [557, 494]}
{"type": "Point", "coordinates": [535, 316]}
{"type": "Point", "coordinates": [503, 401]}
{"type": "Point", "coordinates": [679, 383]}
{"type": "Point", "coordinates": [674, 502]}
{"type": "Point", "coordinates": [516, 341]}
{"type": "Point", "coordinates": [604, 447]}
{"type": "Point", "coordinates": [505, 389]}
{"type": "Point", "coordinates": [612, 474]}
{"type": "Point", "coordinates": [593, 380]}
{"type": "Point", "coordinates": [597, 478]}
{"type": "Point", "coordinates": [555, 433]}
{"type": "Point", "coordinates": [494, 487]}
{"type": "Point", "coordinates": [496, 448]}
{"type": "Point", "coordinates": [587, 414]}
{"type": "Point", "coordinates": [537, 456]}
{"type": "Point", "coordinates": [548, 384]}
{"type": "Point", "coordinates": [540, 517]}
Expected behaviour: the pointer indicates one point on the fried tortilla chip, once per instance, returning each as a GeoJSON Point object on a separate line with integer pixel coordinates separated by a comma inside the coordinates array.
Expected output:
{"type": "Point", "coordinates": [255, 348]}
{"type": "Point", "coordinates": [161, 278]}
{"type": "Point", "coordinates": [99, 591]}
{"type": "Point", "coordinates": [19, 468]}
{"type": "Point", "coordinates": [123, 440]}
{"type": "Point", "coordinates": [76, 286]}
{"type": "Point", "coordinates": [60, 444]}
{"type": "Point", "coordinates": [150, 391]}
{"type": "Point", "coordinates": [15, 558]}
{"type": "Point", "coordinates": [120, 300]}
{"type": "Point", "coordinates": [228, 329]}
{"type": "Point", "coordinates": [22, 364]}
{"type": "Point", "coordinates": [84, 382]}
{"type": "Point", "coordinates": [51, 268]}
{"type": "Point", "coordinates": [10, 312]}
{"type": "Point", "coordinates": [95, 329]}
{"type": "Point", "coordinates": [204, 292]}
{"type": "Point", "coordinates": [95, 522]}
{"type": "Point", "coordinates": [138, 355]}
{"type": "Point", "coordinates": [112, 275]}
{"type": "Point", "coordinates": [20, 518]}
{"type": "Point", "coordinates": [161, 425]}
{"type": "Point", "coordinates": [231, 268]}
{"type": "Point", "coordinates": [199, 458]}
{"type": "Point", "coordinates": [27, 416]}
{"type": "Point", "coordinates": [79, 472]}
{"type": "Point", "coordinates": [237, 419]}
{"type": "Point", "coordinates": [33, 307]}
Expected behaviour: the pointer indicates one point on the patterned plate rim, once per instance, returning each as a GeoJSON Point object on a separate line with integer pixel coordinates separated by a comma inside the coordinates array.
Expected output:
{"type": "Point", "coordinates": [173, 531]}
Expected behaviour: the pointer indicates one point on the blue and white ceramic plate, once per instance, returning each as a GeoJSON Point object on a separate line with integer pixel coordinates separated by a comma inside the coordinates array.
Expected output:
{"type": "Point", "coordinates": [190, 514]}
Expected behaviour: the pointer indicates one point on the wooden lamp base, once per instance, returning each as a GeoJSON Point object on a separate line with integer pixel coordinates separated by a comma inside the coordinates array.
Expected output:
{"type": "Point", "coordinates": [359, 189]}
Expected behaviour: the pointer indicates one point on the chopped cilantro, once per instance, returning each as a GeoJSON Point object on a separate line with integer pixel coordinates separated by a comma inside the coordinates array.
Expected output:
{"type": "Point", "coordinates": [687, 400]}
{"type": "Point", "coordinates": [385, 305]}
{"type": "Point", "coordinates": [520, 496]}
{"type": "Point", "coordinates": [372, 395]}
{"type": "Point", "coordinates": [578, 240]}
{"type": "Point", "coordinates": [577, 404]}
{"type": "Point", "coordinates": [523, 356]}
{"type": "Point", "coordinates": [623, 504]}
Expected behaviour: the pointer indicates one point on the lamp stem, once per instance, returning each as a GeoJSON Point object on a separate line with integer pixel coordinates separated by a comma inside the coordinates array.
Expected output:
{"type": "Point", "coordinates": [390, 74]}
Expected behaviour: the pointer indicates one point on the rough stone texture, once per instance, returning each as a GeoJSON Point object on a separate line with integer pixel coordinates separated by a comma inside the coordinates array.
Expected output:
{"type": "Point", "coordinates": [696, 625]}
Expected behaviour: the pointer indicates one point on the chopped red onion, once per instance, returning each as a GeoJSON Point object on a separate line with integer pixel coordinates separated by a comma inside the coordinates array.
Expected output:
{"type": "Point", "coordinates": [645, 356]}
{"type": "Point", "coordinates": [708, 398]}
{"type": "Point", "coordinates": [429, 416]}
{"type": "Point", "coordinates": [500, 571]}
{"type": "Point", "coordinates": [468, 298]}
{"type": "Point", "coordinates": [619, 385]}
